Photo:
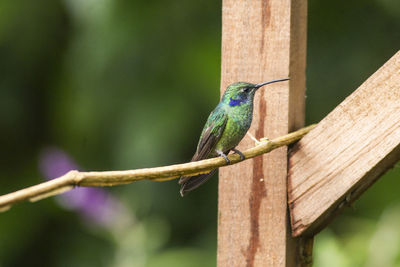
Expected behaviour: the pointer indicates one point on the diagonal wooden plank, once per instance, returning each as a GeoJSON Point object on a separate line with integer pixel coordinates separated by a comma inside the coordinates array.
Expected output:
{"type": "Point", "coordinates": [261, 40]}
{"type": "Point", "coordinates": [347, 151]}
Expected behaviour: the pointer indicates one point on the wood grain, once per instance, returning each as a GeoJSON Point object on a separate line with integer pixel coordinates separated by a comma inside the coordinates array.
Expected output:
{"type": "Point", "coordinates": [347, 151]}
{"type": "Point", "coordinates": [261, 40]}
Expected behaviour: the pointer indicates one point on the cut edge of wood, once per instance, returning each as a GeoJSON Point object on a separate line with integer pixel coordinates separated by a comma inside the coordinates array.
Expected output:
{"type": "Point", "coordinates": [351, 195]}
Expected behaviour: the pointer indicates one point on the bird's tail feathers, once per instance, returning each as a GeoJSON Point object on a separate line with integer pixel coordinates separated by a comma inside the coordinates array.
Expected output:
{"type": "Point", "coordinates": [190, 183]}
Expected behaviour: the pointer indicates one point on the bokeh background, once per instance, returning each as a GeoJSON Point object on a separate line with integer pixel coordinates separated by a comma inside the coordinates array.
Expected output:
{"type": "Point", "coordinates": [113, 84]}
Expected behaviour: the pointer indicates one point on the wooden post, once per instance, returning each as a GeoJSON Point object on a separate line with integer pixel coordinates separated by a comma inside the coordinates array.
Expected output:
{"type": "Point", "coordinates": [261, 40]}
{"type": "Point", "coordinates": [347, 151]}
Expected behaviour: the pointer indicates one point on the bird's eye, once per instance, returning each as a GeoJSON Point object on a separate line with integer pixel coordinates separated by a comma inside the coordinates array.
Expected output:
{"type": "Point", "coordinates": [246, 89]}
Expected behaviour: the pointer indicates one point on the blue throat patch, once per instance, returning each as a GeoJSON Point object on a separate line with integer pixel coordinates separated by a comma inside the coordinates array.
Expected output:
{"type": "Point", "coordinates": [236, 102]}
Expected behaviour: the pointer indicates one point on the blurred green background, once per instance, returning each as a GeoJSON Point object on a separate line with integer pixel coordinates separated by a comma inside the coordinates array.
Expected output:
{"type": "Point", "coordinates": [112, 84]}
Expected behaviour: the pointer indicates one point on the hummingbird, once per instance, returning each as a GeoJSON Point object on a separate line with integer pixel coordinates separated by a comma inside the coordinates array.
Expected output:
{"type": "Point", "coordinates": [226, 126]}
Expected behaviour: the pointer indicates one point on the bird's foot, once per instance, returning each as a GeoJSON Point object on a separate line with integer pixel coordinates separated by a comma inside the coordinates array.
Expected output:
{"type": "Point", "coordinates": [222, 154]}
{"type": "Point", "coordinates": [254, 139]}
{"type": "Point", "coordinates": [242, 157]}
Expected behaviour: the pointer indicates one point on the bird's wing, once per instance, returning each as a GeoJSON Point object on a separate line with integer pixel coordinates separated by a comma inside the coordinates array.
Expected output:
{"type": "Point", "coordinates": [211, 134]}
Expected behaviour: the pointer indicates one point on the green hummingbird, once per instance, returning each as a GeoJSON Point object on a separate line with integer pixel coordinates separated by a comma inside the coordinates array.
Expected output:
{"type": "Point", "coordinates": [226, 126]}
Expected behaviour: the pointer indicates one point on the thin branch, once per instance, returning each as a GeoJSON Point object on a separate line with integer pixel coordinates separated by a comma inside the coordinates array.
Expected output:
{"type": "Point", "coordinates": [111, 178]}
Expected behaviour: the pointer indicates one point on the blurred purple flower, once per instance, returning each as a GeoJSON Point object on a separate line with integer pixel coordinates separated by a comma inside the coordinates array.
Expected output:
{"type": "Point", "coordinates": [94, 204]}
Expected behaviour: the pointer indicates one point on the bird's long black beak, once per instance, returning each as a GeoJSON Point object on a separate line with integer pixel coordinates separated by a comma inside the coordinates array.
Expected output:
{"type": "Point", "coordinates": [273, 81]}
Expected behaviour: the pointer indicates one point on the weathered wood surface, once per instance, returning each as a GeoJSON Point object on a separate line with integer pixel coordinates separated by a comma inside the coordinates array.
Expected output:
{"type": "Point", "coordinates": [261, 40]}
{"type": "Point", "coordinates": [347, 151]}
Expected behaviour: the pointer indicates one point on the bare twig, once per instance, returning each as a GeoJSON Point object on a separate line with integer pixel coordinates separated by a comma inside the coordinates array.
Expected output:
{"type": "Point", "coordinates": [111, 178]}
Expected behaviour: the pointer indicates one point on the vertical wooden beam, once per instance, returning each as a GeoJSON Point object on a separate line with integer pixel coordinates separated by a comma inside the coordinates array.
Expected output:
{"type": "Point", "coordinates": [261, 40]}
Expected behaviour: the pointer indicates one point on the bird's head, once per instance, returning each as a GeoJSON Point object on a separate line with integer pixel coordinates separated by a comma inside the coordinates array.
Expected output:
{"type": "Point", "coordinates": [240, 93]}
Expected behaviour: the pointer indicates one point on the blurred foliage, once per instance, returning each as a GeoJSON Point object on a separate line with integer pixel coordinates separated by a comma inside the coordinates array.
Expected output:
{"type": "Point", "coordinates": [128, 84]}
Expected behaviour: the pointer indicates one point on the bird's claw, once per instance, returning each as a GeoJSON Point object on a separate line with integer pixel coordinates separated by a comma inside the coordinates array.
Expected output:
{"type": "Point", "coordinates": [222, 154]}
{"type": "Point", "coordinates": [242, 157]}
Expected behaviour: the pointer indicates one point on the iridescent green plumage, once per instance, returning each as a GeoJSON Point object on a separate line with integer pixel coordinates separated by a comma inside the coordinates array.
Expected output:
{"type": "Point", "coordinates": [225, 128]}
